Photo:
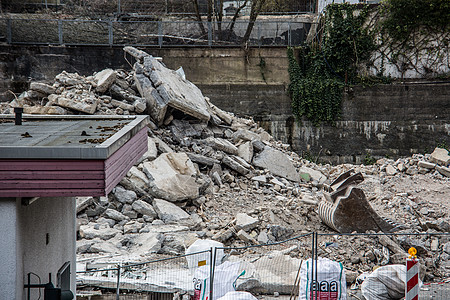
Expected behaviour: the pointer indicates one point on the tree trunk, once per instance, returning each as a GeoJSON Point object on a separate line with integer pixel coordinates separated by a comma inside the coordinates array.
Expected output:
{"type": "Point", "coordinates": [233, 21]}
{"type": "Point", "coordinates": [199, 17]}
{"type": "Point", "coordinates": [254, 12]}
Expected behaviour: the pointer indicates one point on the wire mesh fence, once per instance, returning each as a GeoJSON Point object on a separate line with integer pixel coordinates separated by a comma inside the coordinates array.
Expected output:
{"type": "Point", "coordinates": [310, 266]}
{"type": "Point", "coordinates": [151, 7]}
{"type": "Point", "coordinates": [151, 33]}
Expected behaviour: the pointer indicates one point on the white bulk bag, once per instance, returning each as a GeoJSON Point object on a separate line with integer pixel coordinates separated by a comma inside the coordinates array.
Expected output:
{"type": "Point", "coordinates": [330, 277]}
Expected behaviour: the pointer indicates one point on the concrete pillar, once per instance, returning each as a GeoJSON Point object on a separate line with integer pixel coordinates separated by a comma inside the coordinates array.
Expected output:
{"type": "Point", "coordinates": [10, 271]}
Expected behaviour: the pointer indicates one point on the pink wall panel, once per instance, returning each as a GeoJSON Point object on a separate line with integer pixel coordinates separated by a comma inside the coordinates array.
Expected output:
{"type": "Point", "coordinates": [69, 178]}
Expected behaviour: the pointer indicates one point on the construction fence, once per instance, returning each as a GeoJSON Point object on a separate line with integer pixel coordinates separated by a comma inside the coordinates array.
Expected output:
{"type": "Point", "coordinates": [150, 33]}
{"type": "Point", "coordinates": [309, 266]}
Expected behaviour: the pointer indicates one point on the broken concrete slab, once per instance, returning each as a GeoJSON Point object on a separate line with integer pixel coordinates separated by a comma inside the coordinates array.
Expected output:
{"type": "Point", "coordinates": [123, 195]}
{"type": "Point", "coordinates": [246, 151]}
{"type": "Point", "coordinates": [85, 107]}
{"type": "Point", "coordinates": [314, 174]}
{"type": "Point", "coordinates": [115, 215]}
{"type": "Point", "coordinates": [137, 178]}
{"type": "Point", "coordinates": [157, 105]}
{"type": "Point", "coordinates": [136, 53]}
{"type": "Point", "coordinates": [440, 156]}
{"type": "Point", "coordinates": [169, 212]}
{"type": "Point", "coordinates": [152, 151]}
{"type": "Point", "coordinates": [222, 145]}
{"type": "Point", "coordinates": [42, 88]}
{"type": "Point", "coordinates": [146, 242]}
{"type": "Point", "coordinates": [202, 160]}
{"type": "Point", "coordinates": [172, 177]}
{"type": "Point", "coordinates": [390, 170]}
{"type": "Point", "coordinates": [443, 170]}
{"type": "Point", "coordinates": [245, 135]}
{"type": "Point", "coordinates": [44, 110]}
{"type": "Point", "coordinates": [144, 208]}
{"type": "Point", "coordinates": [235, 165]}
{"type": "Point", "coordinates": [179, 93]}
{"type": "Point", "coordinates": [104, 80]}
{"type": "Point", "coordinates": [83, 203]}
{"type": "Point", "coordinates": [277, 163]}
{"type": "Point", "coordinates": [89, 232]}
{"type": "Point", "coordinates": [426, 165]}
{"type": "Point", "coordinates": [245, 222]}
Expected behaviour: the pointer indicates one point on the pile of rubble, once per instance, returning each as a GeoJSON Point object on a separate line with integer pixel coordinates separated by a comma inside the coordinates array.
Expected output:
{"type": "Point", "coordinates": [210, 174]}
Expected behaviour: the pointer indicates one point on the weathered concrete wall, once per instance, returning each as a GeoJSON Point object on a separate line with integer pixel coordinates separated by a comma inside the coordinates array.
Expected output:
{"type": "Point", "coordinates": [385, 120]}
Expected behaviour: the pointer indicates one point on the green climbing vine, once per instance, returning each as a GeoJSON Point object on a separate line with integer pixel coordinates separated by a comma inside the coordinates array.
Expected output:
{"type": "Point", "coordinates": [323, 67]}
{"type": "Point", "coordinates": [407, 35]}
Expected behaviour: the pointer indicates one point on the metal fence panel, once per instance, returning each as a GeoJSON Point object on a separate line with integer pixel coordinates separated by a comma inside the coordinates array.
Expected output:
{"type": "Point", "coordinates": [33, 31]}
{"type": "Point", "coordinates": [85, 32]}
{"type": "Point", "coordinates": [362, 254]}
{"type": "Point", "coordinates": [135, 33]}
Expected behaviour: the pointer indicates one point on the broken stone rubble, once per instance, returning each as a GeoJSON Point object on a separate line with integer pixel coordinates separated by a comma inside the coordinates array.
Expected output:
{"type": "Point", "coordinates": [230, 181]}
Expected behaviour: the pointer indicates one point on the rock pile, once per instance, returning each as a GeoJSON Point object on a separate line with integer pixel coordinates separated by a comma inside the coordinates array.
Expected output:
{"type": "Point", "coordinates": [210, 174]}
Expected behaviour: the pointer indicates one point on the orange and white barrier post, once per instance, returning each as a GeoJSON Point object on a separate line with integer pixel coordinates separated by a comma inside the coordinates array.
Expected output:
{"type": "Point", "coordinates": [412, 276]}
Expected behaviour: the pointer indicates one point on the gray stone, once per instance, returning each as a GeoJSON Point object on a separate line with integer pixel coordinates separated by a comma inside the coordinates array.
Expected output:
{"type": "Point", "coordinates": [202, 160]}
{"type": "Point", "coordinates": [139, 106]}
{"type": "Point", "coordinates": [446, 248]}
{"type": "Point", "coordinates": [233, 164]}
{"type": "Point", "coordinates": [85, 107]}
{"type": "Point", "coordinates": [89, 232]}
{"type": "Point", "coordinates": [124, 196]}
{"type": "Point", "coordinates": [440, 156]}
{"type": "Point", "coordinates": [258, 146]}
{"type": "Point", "coordinates": [314, 174]}
{"type": "Point", "coordinates": [137, 177]}
{"type": "Point", "coordinates": [83, 203]}
{"type": "Point", "coordinates": [157, 106]}
{"type": "Point", "coordinates": [152, 151]}
{"type": "Point", "coordinates": [144, 208]}
{"type": "Point", "coordinates": [104, 80]}
{"type": "Point", "coordinates": [412, 170]}
{"type": "Point", "coordinates": [179, 93]}
{"type": "Point", "coordinates": [146, 243]}
{"type": "Point", "coordinates": [246, 222]}
{"type": "Point", "coordinates": [246, 135]}
{"type": "Point", "coordinates": [83, 246]}
{"type": "Point", "coordinates": [172, 177]}
{"type": "Point", "coordinates": [277, 163]}
{"type": "Point", "coordinates": [443, 170]}
{"type": "Point", "coordinates": [115, 215]}
{"type": "Point", "coordinates": [280, 233]}
{"type": "Point", "coordinates": [162, 146]}
{"type": "Point", "coordinates": [158, 226]}
{"type": "Point", "coordinates": [127, 210]}
{"type": "Point", "coordinates": [390, 170]}
{"type": "Point", "coordinates": [244, 236]}
{"type": "Point", "coordinates": [426, 165]}
{"type": "Point", "coordinates": [169, 212]}
{"type": "Point", "coordinates": [225, 116]}
{"type": "Point", "coordinates": [136, 53]}
{"type": "Point", "coordinates": [222, 145]}
{"type": "Point", "coordinates": [122, 105]}
{"type": "Point", "coordinates": [105, 221]}
{"type": "Point", "coordinates": [434, 245]}
{"type": "Point", "coordinates": [103, 247]}
{"type": "Point", "coordinates": [42, 88]}
{"type": "Point", "coordinates": [44, 110]}
{"type": "Point", "coordinates": [132, 227]}
{"type": "Point", "coordinates": [246, 151]}
{"type": "Point", "coordinates": [260, 178]}
{"type": "Point", "coordinates": [176, 243]}
{"type": "Point", "coordinates": [263, 238]}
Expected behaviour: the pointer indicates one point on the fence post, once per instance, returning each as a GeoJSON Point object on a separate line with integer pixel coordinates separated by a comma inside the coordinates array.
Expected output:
{"type": "Point", "coordinates": [118, 6]}
{"type": "Point", "coordinates": [60, 32]}
{"type": "Point", "coordinates": [110, 33]}
{"type": "Point", "coordinates": [289, 34]}
{"type": "Point", "coordinates": [160, 32]}
{"type": "Point", "coordinates": [316, 254]}
{"type": "Point", "coordinates": [211, 272]}
{"type": "Point", "coordinates": [259, 35]}
{"type": "Point", "coordinates": [209, 34]}
{"type": "Point", "coordinates": [8, 31]}
{"type": "Point", "coordinates": [118, 282]}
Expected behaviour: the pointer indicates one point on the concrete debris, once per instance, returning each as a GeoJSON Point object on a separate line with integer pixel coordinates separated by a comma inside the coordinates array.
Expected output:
{"type": "Point", "coordinates": [211, 174]}
{"type": "Point", "coordinates": [440, 156]}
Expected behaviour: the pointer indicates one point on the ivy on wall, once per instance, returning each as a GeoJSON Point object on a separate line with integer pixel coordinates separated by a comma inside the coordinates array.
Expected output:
{"type": "Point", "coordinates": [407, 34]}
{"type": "Point", "coordinates": [323, 67]}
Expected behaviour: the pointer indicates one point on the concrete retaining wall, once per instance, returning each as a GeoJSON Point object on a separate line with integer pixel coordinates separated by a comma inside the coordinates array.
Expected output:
{"type": "Point", "coordinates": [384, 120]}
